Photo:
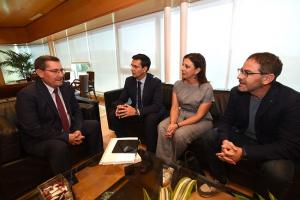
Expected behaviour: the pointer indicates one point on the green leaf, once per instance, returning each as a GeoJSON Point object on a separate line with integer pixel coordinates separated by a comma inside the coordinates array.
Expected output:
{"type": "Point", "coordinates": [17, 63]}
{"type": "Point", "coordinates": [240, 197]}
{"type": "Point", "coordinates": [183, 188]}
{"type": "Point", "coordinates": [272, 197]}
{"type": "Point", "coordinates": [260, 197]}
{"type": "Point", "coordinates": [188, 190]}
{"type": "Point", "coordinates": [146, 196]}
{"type": "Point", "coordinates": [165, 193]}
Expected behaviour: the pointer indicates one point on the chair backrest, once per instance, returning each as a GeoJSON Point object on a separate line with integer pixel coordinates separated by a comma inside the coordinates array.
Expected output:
{"type": "Point", "coordinates": [67, 76]}
{"type": "Point", "coordinates": [7, 91]}
{"type": "Point", "coordinates": [91, 75]}
{"type": "Point", "coordinates": [84, 85]}
{"type": "Point", "coordinates": [34, 77]}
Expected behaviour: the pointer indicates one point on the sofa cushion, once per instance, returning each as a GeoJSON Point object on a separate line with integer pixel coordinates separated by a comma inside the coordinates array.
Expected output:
{"type": "Point", "coordinates": [8, 110]}
{"type": "Point", "coordinates": [6, 127]}
{"type": "Point", "coordinates": [167, 90]}
{"type": "Point", "coordinates": [9, 136]}
{"type": "Point", "coordinates": [9, 141]}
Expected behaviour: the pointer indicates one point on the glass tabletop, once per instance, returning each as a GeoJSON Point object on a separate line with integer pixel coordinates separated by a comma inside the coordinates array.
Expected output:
{"type": "Point", "coordinates": [92, 181]}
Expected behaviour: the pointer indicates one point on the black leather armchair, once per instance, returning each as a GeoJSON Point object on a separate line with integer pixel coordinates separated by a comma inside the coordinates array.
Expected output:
{"type": "Point", "coordinates": [20, 172]}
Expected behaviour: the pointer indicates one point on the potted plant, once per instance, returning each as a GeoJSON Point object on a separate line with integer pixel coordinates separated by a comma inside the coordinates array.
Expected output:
{"type": "Point", "coordinates": [182, 190]}
{"type": "Point", "coordinates": [18, 63]}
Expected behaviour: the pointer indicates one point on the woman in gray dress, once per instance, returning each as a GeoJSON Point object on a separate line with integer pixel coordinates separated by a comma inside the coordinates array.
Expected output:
{"type": "Point", "coordinates": [192, 98]}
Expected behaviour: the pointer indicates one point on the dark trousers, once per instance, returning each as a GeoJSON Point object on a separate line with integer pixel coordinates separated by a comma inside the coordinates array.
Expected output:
{"type": "Point", "coordinates": [58, 151]}
{"type": "Point", "coordinates": [275, 176]}
{"type": "Point", "coordinates": [149, 123]}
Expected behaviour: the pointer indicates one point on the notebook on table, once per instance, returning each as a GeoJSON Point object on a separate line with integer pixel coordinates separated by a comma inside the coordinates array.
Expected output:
{"type": "Point", "coordinates": [121, 151]}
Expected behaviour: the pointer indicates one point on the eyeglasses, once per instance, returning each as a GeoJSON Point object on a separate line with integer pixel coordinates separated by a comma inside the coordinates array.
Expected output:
{"type": "Point", "coordinates": [56, 71]}
{"type": "Point", "coordinates": [246, 73]}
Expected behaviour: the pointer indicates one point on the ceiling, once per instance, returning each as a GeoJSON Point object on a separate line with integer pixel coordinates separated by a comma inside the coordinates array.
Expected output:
{"type": "Point", "coordinates": [20, 13]}
{"type": "Point", "coordinates": [75, 16]}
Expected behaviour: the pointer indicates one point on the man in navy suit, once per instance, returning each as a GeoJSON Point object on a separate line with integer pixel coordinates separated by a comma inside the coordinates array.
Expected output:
{"type": "Point", "coordinates": [260, 128]}
{"type": "Point", "coordinates": [145, 93]}
{"type": "Point", "coordinates": [50, 119]}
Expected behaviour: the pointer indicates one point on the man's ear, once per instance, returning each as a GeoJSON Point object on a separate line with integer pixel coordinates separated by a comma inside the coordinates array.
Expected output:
{"type": "Point", "coordinates": [145, 68]}
{"type": "Point", "coordinates": [268, 78]}
{"type": "Point", "coordinates": [40, 73]}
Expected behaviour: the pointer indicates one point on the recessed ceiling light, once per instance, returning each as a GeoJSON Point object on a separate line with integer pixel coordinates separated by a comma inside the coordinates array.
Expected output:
{"type": "Point", "coordinates": [36, 16]}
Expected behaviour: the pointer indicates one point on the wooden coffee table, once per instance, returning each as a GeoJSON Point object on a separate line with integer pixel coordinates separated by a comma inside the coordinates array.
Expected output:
{"type": "Point", "coordinates": [97, 180]}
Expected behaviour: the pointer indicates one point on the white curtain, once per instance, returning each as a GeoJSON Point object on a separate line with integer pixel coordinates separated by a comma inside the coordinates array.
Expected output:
{"type": "Point", "coordinates": [63, 53]}
{"type": "Point", "coordinates": [140, 35]}
{"type": "Point", "coordinates": [269, 25]}
{"type": "Point", "coordinates": [79, 48]}
{"type": "Point", "coordinates": [39, 50]}
{"type": "Point", "coordinates": [103, 58]}
{"type": "Point", "coordinates": [209, 29]}
{"type": "Point", "coordinates": [175, 45]}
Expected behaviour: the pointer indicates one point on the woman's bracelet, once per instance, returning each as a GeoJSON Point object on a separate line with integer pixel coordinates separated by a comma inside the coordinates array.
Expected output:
{"type": "Point", "coordinates": [177, 125]}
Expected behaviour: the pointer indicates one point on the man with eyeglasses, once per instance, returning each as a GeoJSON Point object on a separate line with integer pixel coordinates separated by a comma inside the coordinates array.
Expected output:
{"type": "Point", "coordinates": [50, 119]}
{"type": "Point", "coordinates": [145, 92]}
{"type": "Point", "coordinates": [260, 129]}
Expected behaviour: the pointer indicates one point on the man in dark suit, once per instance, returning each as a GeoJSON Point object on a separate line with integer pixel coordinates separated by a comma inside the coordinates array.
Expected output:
{"type": "Point", "coordinates": [260, 127]}
{"type": "Point", "coordinates": [145, 93]}
{"type": "Point", "coordinates": [50, 119]}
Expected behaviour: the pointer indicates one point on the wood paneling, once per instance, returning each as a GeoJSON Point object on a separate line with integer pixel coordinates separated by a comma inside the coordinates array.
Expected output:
{"type": "Point", "coordinates": [13, 36]}
{"type": "Point", "coordinates": [59, 35]}
{"type": "Point", "coordinates": [66, 15]}
{"type": "Point", "coordinates": [73, 13]}
{"type": "Point", "coordinates": [17, 13]}
{"type": "Point", "coordinates": [76, 29]}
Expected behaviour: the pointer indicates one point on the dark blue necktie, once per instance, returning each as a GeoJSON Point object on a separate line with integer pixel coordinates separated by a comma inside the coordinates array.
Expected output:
{"type": "Point", "coordinates": [139, 95]}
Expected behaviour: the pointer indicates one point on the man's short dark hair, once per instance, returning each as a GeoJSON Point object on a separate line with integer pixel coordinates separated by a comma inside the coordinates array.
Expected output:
{"type": "Point", "coordinates": [145, 60]}
{"type": "Point", "coordinates": [269, 63]}
{"type": "Point", "coordinates": [40, 62]}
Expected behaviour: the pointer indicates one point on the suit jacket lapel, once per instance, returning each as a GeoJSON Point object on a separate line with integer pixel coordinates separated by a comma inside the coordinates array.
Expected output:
{"type": "Point", "coordinates": [267, 101]}
{"type": "Point", "coordinates": [146, 87]}
{"type": "Point", "coordinates": [45, 95]}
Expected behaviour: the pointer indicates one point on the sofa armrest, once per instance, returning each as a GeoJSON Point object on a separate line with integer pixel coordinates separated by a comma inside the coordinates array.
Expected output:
{"type": "Point", "coordinates": [89, 108]}
{"type": "Point", "coordinates": [110, 97]}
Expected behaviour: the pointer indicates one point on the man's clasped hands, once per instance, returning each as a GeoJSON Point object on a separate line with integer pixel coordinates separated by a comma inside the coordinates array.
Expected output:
{"type": "Point", "coordinates": [230, 153]}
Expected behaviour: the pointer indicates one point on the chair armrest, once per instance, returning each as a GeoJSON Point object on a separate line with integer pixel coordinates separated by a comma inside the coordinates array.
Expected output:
{"type": "Point", "coordinates": [110, 97]}
{"type": "Point", "coordinates": [89, 112]}
{"type": "Point", "coordinates": [86, 100]}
